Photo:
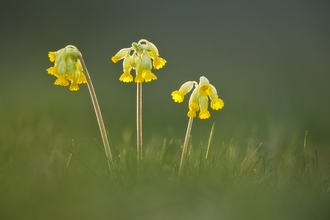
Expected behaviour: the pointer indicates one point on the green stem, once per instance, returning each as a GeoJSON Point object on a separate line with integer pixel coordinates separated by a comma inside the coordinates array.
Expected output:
{"type": "Point", "coordinates": [98, 116]}
{"type": "Point", "coordinates": [185, 146]}
{"type": "Point", "coordinates": [139, 129]}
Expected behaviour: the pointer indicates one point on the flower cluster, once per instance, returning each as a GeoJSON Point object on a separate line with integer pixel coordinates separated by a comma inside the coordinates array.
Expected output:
{"type": "Point", "coordinates": [67, 67]}
{"type": "Point", "coordinates": [199, 97]}
{"type": "Point", "coordinates": [141, 57]}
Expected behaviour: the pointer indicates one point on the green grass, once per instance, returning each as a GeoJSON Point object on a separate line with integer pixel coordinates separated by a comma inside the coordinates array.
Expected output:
{"type": "Point", "coordinates": [46, 174]}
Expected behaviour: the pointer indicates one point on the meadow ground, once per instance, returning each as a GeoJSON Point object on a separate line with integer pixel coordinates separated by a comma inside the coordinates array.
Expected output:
{"type": "Point", "coordinates": [55, 168]}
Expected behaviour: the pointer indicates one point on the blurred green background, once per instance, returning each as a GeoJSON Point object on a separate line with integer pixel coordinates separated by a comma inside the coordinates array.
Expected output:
{"type": "Point", "coordinates": [269, 60]}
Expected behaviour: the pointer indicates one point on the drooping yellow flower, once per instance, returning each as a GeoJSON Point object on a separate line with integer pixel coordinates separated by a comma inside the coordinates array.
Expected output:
{"type": "Point", "coordinates": [199, 98]}
{"type": "Point", "coordinates": [203, 104]}
{"type": "Point", "coordinates": [158, 62]}
{"type": "Point", "coordinates": [147, 75]}
{"type": "Point", "coordinates": [145, 67]}
{"type": "Point", "coordinates": [204, 114]}
{"type": "Point", "coordinates": [142, 56]}
{"type": "Point", "coordinates": [121, 54]}
{"type": "Point", "coordinates": [53, 71]}
{"type": "Point", "coordinates": [61, 81]}
{"type": "Point", "coordinates": [67, 67]}
{"type": "Point", "coordinates": [126, 76]}
{"type": "Point", "coordinates": [178, 95]}
{"type": "Point", "coordinates": [193, 108]}
{"type": "Point", "coordinates": [217, 103]}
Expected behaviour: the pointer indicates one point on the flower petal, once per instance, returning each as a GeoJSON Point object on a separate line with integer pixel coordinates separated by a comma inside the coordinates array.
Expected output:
{"type": "Point", "coordinates": [148, 76]}
{"type": "Point", "coordinates": [61, 81]}
{"type": "Point", "coordinates": [191, 114]}
{"type": "Point", "coordinates": [74, 86]}
{"type": "Point", "coordinates": [204, 114]}
{"type": "Point", "coordinates": [217, 104]}
{"type": "Point", "coordinates": [138, 78]}
{"type": "Point", "coordinates": [158, 62]}
{"type": "Point", "coordinates": [204, 89]}
{"type": "Point", "coordinates": [52, 56]}
{"type": "Point", "coordinates": [53, 71]}
{"type": "Point", "coordinates": [126, 77]}
{"type": "Point", "coordinates": [193, 108]}
{"type": "Point", "coordinates": [177, 96]}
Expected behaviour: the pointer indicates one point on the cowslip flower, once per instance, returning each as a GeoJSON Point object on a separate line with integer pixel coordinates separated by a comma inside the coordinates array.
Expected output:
{"type": "Point", "coordinates": [67, 67]}
{"type": "Point", "coordinates": [198, 102]}
{"type": "Point", "coordinates": [70, 69]}
{"type": "Point", "coordinates": [199, 98]}
{"type": "Point", "coordinates": [141, 56]}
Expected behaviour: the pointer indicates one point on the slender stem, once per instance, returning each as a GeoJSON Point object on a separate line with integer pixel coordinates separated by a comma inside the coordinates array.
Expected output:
{"type": "Point", "coordinates": [209, 143]}
{"type": "Point", "coordinates": [98, 116]}
{"type": "Point", "coordinates": [139, 129]}
{"type": "Point", "coordinates": [185, 146]}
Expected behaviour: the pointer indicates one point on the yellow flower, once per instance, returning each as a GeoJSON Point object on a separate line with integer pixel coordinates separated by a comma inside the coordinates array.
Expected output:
{"type": "Point", "coordinates": [203, 104]}
{"type": "Point", "coordinates": [138, 71]}
{"type": "Point", "coordinates": [121, 54]}
{"type": "Point", "coordinates": [61, 81]}
{"type": "Point", "coordinates": [217, 103]}
{"type": "Point", "coordinates": [139, 78]}
{"type": "Point", "coordinates": [67, 67]}
{"type": "Point", "coordinates": [126, 77]}
{"type": "Point", "coordinates": [147, 75]}
{"type": "Point", "coordinates": [114, 59]}
{"type": "Point", "coordinates": [193, 108]}
{"type": "Point", "coordinates": [139, 57]}
{"type": "Point", "coordinates": [127, 66]}
{"type": "Point", "coordinates": [204, 114]}
{"type": "Point", "coordinates": [178, 95]}
{"type": "Point", "coordinates": [53, 71]}
{"type": "Point", "coordinates": [199, 97]}
{"type": "Point", "coordinates": [146, 65]}
{"type": "Point", "coordinates": [158, 62]}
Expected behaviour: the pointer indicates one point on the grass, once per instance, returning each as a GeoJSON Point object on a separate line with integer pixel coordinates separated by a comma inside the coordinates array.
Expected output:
{"type": "Point", "coordinates": [45, 174]}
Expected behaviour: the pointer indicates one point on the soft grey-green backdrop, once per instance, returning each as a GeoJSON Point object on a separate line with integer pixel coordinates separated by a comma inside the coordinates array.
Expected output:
{"type": "Point", "coordinates": [269, 60]}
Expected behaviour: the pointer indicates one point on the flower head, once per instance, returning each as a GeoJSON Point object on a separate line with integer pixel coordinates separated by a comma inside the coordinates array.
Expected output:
{"type": "Point", "coordinates": [67, 67]}
{"type": "Point", "coordinates": [142, 56]}
{"type": "Point", "coordinates": [199, 97]}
